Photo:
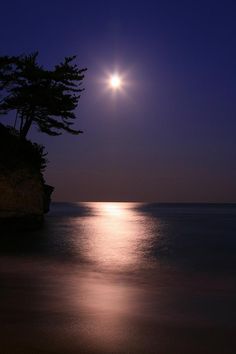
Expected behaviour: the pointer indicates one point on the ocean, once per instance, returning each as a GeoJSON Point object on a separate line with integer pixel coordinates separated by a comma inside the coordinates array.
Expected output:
{"type": "Point", "coordinates": [121, 278]}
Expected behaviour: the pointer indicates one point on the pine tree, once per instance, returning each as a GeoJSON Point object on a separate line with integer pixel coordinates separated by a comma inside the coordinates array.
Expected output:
{"type": "Point", "coordinates": [46, 98]}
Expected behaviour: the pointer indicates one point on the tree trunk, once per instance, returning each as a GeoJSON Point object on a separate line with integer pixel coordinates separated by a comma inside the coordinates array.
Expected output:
{"type": "Point", "coordinates": [25, 129]}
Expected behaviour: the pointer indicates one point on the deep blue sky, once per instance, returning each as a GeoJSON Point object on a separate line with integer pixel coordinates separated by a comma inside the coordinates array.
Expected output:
{"type": "Point", "coordinates": [172, 137]}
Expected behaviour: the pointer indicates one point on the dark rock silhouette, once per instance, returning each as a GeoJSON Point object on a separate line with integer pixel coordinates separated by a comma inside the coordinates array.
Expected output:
{"type": "Point", "coordinates": [24, 196]}
{"type": "Point", "coordinates": [47, 197]}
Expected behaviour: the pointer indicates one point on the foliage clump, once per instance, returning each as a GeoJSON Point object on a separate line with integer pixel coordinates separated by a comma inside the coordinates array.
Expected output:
{"type": "Point", "coordinates": [45, 98]}
{"type": "Point", "coordinates": [16, 154]}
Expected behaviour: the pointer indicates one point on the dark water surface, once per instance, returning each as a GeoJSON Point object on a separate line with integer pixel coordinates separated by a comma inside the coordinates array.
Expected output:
{"type": "Point", "coordinates": [121, 278]}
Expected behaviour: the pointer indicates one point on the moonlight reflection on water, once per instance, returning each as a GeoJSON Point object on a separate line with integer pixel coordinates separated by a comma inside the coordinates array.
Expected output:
{"type": "Point", "coordinates": [115, 236]}
{"type": "Point", "coordinates": [118, 278]}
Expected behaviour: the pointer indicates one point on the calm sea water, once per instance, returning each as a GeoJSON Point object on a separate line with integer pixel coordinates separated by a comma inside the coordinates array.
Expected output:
{"type": "Point", "coordinates": [121, 278]}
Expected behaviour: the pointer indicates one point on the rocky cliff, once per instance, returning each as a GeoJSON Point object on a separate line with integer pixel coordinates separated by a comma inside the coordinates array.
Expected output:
{"type": "Point", "coordinates": [24, 196]}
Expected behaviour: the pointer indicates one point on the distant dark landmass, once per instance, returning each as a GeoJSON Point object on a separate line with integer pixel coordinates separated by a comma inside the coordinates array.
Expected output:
{"type": "Point", "coordinates": [24, 195]}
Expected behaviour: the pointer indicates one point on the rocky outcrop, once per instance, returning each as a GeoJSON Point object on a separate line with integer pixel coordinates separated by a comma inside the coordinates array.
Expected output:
{"type": "Point", "coordinates": [21, 193]}
{"type": "Point", "coordinates": [24, 197]}
{"type": "Point", "coordinates": [47, 197]}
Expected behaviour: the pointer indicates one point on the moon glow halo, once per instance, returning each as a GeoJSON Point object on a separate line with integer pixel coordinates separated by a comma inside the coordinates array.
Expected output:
{"type": "Point", "coordinates": [115, 82]}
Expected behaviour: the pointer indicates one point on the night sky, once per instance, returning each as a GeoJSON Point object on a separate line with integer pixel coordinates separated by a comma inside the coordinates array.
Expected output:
{"type": "Point", "coordinates": [171, 134]}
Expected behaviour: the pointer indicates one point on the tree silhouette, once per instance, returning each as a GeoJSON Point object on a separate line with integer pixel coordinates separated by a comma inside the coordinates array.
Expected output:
{"type": "Point", "coordinates": [43, 97]}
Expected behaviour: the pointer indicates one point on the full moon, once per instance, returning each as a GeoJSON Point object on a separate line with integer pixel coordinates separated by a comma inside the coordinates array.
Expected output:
{"type": "Point", "coordinates": [115, 82]}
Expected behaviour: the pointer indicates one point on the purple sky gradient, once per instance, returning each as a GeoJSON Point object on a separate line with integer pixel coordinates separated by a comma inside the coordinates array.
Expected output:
{"type": "Point", "coordinates": [172, 135]}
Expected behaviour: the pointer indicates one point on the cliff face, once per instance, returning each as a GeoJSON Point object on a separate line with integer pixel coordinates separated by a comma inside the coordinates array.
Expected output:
{"type": "Point", "coordinates": [21, 193]}
{"type": "Point", "coordinates": [24, 197]}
